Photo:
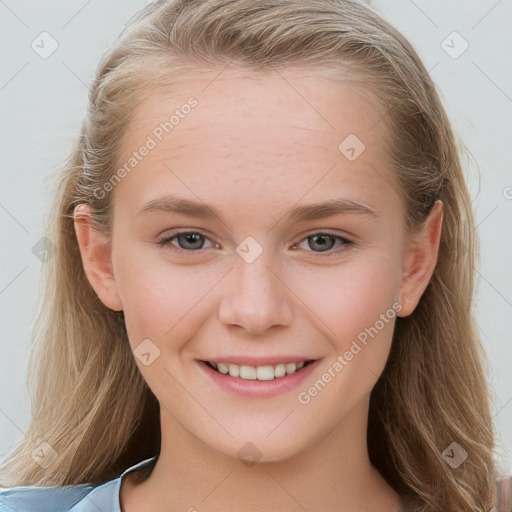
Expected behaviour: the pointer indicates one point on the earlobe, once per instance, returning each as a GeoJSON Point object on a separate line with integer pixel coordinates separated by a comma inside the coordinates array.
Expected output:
{"type": "Point", "coordinates": [419, 260]}
{"type": "Point", "coordinates": [96, 253]}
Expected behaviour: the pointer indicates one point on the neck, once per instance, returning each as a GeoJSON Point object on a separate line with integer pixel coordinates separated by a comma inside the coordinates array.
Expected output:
{"type": "Point", "coordinates": [334, 473]}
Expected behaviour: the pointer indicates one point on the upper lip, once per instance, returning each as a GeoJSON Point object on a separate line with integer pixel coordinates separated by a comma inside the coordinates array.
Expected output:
{"type": "Point", "coordinates": [259, 361]}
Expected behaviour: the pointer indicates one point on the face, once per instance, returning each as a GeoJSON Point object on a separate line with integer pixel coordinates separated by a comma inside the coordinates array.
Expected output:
{"type": "Point", "coordinates": [253, 275]}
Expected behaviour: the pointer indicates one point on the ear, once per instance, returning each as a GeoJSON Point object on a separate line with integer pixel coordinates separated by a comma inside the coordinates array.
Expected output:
{"type": "Point", "coordinates": [96, 252]}
{"type": "Point", "coordinates": [420, 258]}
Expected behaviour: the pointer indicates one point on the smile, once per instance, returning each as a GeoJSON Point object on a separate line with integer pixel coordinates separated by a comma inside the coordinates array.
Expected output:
{"type": "Point", "coordinates": [266, 372]}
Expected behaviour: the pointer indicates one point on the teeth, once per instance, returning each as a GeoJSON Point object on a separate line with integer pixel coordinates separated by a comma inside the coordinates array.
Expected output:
{"type": "Point", "coordinates": [290, 368]}
{"type": "Point", "coordinates": [265, 373]}
{"type": "Point", "coordinates": [279, 371]}
{"type": "Point", "coordinates": [234, 370]}
{"type": "Point", "coordinates": [248, 372]}
{"type": "Point", "coordinates": [258, 372]}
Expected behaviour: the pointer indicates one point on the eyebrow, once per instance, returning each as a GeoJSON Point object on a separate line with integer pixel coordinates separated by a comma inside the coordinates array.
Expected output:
{"type": "Point", "coordinates": [309, 212]}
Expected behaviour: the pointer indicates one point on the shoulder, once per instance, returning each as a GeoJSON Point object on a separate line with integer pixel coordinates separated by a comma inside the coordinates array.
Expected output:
{"type": "Point", "coordinates": [62, 499]}
{"type": "Point", "coordinates": [71, 498]}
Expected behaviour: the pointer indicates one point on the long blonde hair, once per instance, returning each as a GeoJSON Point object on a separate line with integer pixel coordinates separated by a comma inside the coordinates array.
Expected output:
{"type": "Point", "coordinates": [90, 402]}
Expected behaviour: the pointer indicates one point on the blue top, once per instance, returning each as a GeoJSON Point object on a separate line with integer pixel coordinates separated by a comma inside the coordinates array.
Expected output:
{"type": "Point", "coordinates": [68, 498]}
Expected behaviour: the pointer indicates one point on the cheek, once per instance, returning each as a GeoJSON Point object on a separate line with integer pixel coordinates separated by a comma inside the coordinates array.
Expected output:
{"type": "Point", "coordinates": [161, 300]}
{"type": "Point", "coordinates": [351, 300]}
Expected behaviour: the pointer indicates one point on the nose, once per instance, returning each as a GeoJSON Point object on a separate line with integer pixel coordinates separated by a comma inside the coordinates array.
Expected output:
{"type": "Point", "coordinates": [255, 298]}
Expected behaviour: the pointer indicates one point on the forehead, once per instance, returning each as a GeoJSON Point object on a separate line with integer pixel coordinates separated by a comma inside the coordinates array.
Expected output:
{"type": "Point", "coordinates": [285, 132]}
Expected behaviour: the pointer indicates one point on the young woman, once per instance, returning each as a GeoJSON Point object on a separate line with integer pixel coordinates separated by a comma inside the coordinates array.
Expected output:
{"type": "Point", "coordinates": [262, 297]}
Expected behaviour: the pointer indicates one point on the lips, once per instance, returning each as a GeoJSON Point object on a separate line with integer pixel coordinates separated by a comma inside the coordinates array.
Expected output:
{"type": "Point", "coordinates": [260, 372]}
{"type": "Point", "coordinates": [255, 389]}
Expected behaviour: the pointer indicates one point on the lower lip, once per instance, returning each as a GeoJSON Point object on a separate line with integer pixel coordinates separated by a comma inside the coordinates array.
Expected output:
{"type": "Point", "coordinates": [258, 388]}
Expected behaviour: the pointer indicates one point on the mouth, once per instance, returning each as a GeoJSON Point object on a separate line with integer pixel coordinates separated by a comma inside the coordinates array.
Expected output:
{"type": "Point", "coordinates": [262, 373]}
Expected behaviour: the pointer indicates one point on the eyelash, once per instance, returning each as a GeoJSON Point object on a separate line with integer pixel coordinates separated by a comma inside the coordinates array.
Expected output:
{"type": "Point", "coordinates": [346, 243]}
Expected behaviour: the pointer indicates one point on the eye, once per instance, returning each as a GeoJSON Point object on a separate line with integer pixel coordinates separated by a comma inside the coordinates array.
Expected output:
{"type": "Point", "coordinates": [325, 241]}
{"type": "Point", "coordinates": [188, 241]}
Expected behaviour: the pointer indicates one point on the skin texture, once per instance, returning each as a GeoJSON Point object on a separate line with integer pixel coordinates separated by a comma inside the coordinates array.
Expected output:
{"type": "Point", "coordinates": [254, 147]}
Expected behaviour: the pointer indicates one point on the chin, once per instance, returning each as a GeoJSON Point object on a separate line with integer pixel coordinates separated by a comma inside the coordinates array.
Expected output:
{"type": "Point", "coordinates": [259, 449]}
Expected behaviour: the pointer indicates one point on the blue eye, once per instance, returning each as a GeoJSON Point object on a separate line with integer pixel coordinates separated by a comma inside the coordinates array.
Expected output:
{"type": "Point", "coordinates": [193, 241]}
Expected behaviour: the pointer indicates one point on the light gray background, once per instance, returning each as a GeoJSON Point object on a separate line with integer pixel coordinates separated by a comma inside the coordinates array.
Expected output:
{"type": "Point", "coordinates": [43, 101]}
